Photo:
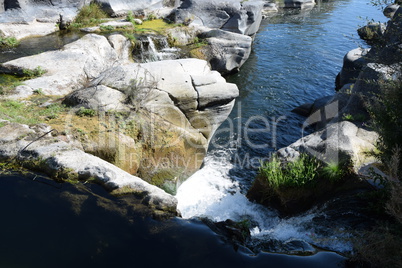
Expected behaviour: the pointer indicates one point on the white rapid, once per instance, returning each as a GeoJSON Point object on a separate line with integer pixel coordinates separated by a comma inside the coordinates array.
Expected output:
{"type": "Point", "coordinates": [213, 193]}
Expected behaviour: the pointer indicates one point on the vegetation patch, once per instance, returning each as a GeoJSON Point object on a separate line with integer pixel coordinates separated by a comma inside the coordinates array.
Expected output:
{"type": "Point", "coordinates": [294, 187]}
{"type": "Point", "coordinates": [8, 42]}
{"type": "Point", "coordinates": [8, 83]}
{"type": "Point", "coordinates": [89, 15]}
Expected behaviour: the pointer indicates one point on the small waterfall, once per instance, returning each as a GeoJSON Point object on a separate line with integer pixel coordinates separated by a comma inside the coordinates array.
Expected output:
{"type": "Point", "coordinates": [214, 193]}
{"type": "Point", "coordinates": [154, 48]}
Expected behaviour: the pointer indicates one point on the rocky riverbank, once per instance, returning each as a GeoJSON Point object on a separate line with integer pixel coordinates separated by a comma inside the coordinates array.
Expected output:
{"type": "Point", "coordinates": [341, 136]}
{"type": "Point", "coordinates": [150, 120]}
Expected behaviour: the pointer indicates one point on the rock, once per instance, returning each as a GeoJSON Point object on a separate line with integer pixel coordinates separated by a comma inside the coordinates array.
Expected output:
{"type": "Point", "coordinates": [122, 46]}
{"type": "Point", "coordinates": [184, 92]}
{"type": "Point", "coordinates": [98, 98]}
{"type": "Point", "coordinates": [227, 51]}
{"type": "Point", "coordinates": [137, 21]}
{"type": "Point", "coordinates": [181, 36]}
{"type": "Point", "coordinates": [336, 141]}
{"type": "Point", "coordinates": [368, 84]}
{"type": "Point", "coordinates": [372, 32]}
{"type": "Point", "coordinates": [177, 106]}
{"type": "Point", "coordinates": [234, 15]}
{"type": "Point", "coordinates": [300, 4]}
{"type": "Point", "coordinates": [373, 75]}
{"type": "Point", "coordinates": [269, 9]}
{"type": "Point", "coordinates": [20, 31]}
{"type": "Point", "coordinates": [22, 11]}
{"type": "Point", "coordinates": [60, 160]}
{"type": "Point", "coordinates": [353, 62]}
{"type": "Point", "coordinates": [117, 24]}
{"type": "Point", "coordinates": [303, 110]}
{"type": "Point", "coordinates": [94, 29]}
{"type": "Point", "coordinates": [118, 8]}
{"type": "Point", "coordinates": [82, 60]}
{"type": "Point", "coordinates": [390, 10]}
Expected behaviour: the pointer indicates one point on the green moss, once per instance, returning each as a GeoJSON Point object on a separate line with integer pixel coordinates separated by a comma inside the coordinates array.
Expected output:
{"type": "Point", "coordinates": [8, 83]}
{"type": "Point", "coordinates": [156, 25]}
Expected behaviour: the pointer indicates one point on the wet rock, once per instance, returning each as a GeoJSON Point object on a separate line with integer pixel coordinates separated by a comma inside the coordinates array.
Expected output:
{"type": "Point", "coordinates": [269, 9]}
{"type": "Point", "coordinates": [299, 4]}
{"type": "Point", "coordinates": [372, 32]}
{"type": "Point", "coordinates": [353, 63]}
{"type": "Point", "coordinates": [390, 10]}
{"type": "Point", "coordinates": [122, 46]}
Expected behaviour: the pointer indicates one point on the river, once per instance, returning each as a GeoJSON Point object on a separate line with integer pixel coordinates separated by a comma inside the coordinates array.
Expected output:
{"type": "Point", "coordinates": [295, 59]}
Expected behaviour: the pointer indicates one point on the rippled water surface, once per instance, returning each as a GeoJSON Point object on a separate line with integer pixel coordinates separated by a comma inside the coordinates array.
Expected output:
{"type": "Point", "coordinates": [296, 57]}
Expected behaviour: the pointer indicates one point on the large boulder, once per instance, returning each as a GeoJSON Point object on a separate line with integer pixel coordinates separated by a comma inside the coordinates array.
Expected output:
{"type": "Point", "coordinates": [236, 16]}
{"type": "Point", "coordinates": [226, 51]}
{"type": "Point", "coordinates": [353, 63]}
{"type": "Point", "coordinates": [176, 106]}
{"type": "Point", "coordinates": [184, 92]}
{"type": "Point", "coordinates": [390, 10]}
{"type": "Point", "coordinates": [116, 8]}
{"type": "Point", "coordinates": [24, 11]}
{"type": "Point", "coordinates": [64, 162]}
{"type": "Point", "coordinates": [372, 32]}
{"type": "Point", "coordinates": [67, 69]}
{"type": "Point", "coordinates": [335, 142]}
{"type": "Point", "coordinates": [299, 4]}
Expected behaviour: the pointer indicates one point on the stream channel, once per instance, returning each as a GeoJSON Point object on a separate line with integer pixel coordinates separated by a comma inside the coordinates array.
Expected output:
{"type": "Point", "coordinates": [295, 58]}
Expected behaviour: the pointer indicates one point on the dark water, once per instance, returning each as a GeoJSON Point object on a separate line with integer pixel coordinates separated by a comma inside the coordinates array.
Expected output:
{"type": "Point", "coordinates": [44, 224]}
{"type": "Point", "coordinates": [36, 45]}
{"type": "Point", "coordinates": [295, 60]}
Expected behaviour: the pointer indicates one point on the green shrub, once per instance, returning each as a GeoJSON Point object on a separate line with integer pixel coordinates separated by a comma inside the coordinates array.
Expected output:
{"type": "Point", "coordinates": [386, 119]}
{"type": "Point", "coordinates": [130, 17]}
{"type": "Point", "coordinates": [89, 15]}
{"type": "Point", "coordinates": [107, 28]}
{"type": "Point", "coordinates": [85, 112]}
{"type": "Point", "coordinates": [38, 71]}
{"type": "Point", "coordinates": [302, 172]}
{"type": "Point", "coordinates": [8, 42]}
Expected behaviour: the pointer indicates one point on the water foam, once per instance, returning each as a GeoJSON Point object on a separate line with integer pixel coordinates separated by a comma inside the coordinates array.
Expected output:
{"type": "Point", "coordinates": [212, 193]}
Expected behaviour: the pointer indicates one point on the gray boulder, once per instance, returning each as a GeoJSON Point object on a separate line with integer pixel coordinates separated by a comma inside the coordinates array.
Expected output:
{"type": "Point", "coordinates": [299, 4]}
{"type": "Point", "coordinates": [68, 69]}
{"type": "Point", "coordinates": [27, 11]}
{"type": "Point", "coordinates": [234, 15]}
{"type": "Point", "coordinates": [390, 10]}
{"type": "Point", "coordinates": [227, 51]}
{"type": "Point", "coordinates": [338, 140]}
{"type": "Point", "coordinates": [116, 8]}
{"type": "Point", "coordinates": [184, 92]}
{"type": "Point", "coordinates": [98, 98]}
{"type": "Point", "coordinates": [353, 62]}
{"type": "Point", "coordinates": [372, 31]}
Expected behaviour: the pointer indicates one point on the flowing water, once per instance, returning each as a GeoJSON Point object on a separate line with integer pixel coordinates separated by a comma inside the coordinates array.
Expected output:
{"type": "Point", "coordinates": [295, 60]}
